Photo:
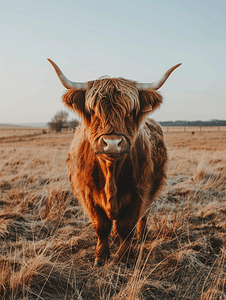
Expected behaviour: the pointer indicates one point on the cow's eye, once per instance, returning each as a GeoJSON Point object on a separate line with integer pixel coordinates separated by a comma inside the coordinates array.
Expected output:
{"type": "Point", "coordinates": [129, 119]}
{"type": "Point", "coordinates": [130, 114]}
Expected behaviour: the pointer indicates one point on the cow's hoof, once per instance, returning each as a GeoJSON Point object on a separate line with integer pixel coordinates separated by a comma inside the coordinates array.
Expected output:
{"type": "Point", "coordinates": [98, 263]}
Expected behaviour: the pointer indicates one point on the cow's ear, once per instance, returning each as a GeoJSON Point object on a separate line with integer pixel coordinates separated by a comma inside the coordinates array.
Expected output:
{"type": "Point", "coordinates": [149, 100]}
{"type": "Point", "coordinates": [75, 100]}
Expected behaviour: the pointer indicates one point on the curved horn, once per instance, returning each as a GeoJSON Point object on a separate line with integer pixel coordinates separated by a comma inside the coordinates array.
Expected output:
{"type": "Point", "coordinates": [157, 84]}
{"type": "Point", "coordinates": [66, 82]}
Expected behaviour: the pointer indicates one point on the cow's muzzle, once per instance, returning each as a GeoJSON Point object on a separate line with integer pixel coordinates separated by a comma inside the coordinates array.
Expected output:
{"type": "Point", "coordinates": [113, 145]}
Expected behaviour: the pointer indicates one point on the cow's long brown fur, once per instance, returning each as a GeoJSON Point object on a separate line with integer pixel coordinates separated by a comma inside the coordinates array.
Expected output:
{"type": "Point", "coordinates": [116, 189]}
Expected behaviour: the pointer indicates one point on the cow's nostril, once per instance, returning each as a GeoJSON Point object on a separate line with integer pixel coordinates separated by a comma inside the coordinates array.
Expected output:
{"type": "Point", "coordinates": [105, 143]}
{"type": "Point", "coordinates": [120, 143]}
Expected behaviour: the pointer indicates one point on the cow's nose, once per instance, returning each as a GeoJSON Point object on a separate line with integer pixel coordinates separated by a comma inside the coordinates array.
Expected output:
{"type": "Point", "coordinates": [112, 146]}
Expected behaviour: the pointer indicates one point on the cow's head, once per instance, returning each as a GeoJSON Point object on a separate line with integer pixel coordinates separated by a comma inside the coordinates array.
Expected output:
{"type": "Point", "coordinates": [112, 109]}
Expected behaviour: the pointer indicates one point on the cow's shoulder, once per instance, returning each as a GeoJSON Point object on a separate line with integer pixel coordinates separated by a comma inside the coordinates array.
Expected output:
{"type": "Point", "coordinates": [150, 137]}
{"type": "Point", "coordinates": [156, 140]}
{"type": "Point", "coordinates": [151, 127]}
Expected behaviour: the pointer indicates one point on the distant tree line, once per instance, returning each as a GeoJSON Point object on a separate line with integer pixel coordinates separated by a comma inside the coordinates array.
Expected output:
{"type": "Point", "coordinates": [194, 123]}
{"type": "Point", "coordinates": [60, 121]}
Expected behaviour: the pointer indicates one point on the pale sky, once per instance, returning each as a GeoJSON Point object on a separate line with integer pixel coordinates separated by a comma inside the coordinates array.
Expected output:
{"type": "Point", "coordinates": [137, 40]}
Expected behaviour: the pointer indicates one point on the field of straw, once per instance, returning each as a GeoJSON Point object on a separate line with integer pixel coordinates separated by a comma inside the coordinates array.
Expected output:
{"type": "Point", "coordinates": [48, 244]}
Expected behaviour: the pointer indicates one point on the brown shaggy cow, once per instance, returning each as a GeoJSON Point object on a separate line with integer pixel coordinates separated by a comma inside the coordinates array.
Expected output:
{"type": "Point", "coordinates": [117, 160]}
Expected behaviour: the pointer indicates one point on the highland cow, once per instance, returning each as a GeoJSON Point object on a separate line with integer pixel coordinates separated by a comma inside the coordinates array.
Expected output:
{"type": "Point", "coordinates": [117, 160]}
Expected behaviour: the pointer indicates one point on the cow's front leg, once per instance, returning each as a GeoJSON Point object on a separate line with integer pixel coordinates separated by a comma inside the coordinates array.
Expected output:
{"type": "Point", "coordinates": [125, 228]}
{"type": "Point", "coordinates": [102, 226]}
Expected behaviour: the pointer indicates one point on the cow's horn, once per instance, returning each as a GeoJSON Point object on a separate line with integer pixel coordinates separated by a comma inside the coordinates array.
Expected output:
{"type": "Point", "coordinates": [66, 82]}
{"type": "Point", "coordinates": [157, 84]}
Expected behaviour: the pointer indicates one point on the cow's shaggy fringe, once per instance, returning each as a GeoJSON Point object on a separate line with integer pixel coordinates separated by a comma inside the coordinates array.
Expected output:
{"type": "Point", "coordinates": [102, 94]}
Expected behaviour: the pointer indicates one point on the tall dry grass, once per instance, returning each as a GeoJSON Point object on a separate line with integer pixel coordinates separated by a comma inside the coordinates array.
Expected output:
{"type": "Point", "coordinates": [48, 244]}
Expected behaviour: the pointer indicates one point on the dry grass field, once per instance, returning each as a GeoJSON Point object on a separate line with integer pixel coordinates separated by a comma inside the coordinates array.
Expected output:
{"type": "Point", "coordinates": [48, 244]}
{"type": "Point", "coordinates": [7, 131]}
